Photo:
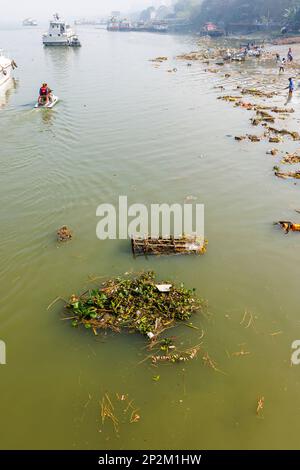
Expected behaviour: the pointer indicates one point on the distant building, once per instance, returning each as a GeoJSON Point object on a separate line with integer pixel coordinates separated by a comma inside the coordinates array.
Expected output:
{"type": "Point", "coordinates": [115, 14]}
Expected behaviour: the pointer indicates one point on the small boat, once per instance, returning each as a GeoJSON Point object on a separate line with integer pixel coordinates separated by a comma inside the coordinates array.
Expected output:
{"type": "Point", "coordinates": [30, 22]}
{"type": "Point", "coordinates": [212, 30]}
{"type": "Point", "coordinates": [60, 33]}
{"type": "Point", "coordinates": [49, 105]}
{"type": "Point", "coordinates": [74, 42]}
{"type": "Point", "coordinates": [113, 24]}
{"type": "Point", "coordinates": [124, 25]}
{"type": "Point", "coordinates": [6, 68]}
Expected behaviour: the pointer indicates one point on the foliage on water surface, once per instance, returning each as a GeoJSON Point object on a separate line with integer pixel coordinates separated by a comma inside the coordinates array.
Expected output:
{"type": "Point", "coordinates": [134, 303]}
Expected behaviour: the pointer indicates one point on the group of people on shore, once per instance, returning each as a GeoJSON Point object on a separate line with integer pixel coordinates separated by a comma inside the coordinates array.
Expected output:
{"type": "Point", "coordinates": [284, 61]}
{"type": "Point", "coordinates": [282, 64]}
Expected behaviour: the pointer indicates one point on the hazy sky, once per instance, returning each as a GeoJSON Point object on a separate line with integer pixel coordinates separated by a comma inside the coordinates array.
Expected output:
{"type": "Point", "coordinates": [20, 9]}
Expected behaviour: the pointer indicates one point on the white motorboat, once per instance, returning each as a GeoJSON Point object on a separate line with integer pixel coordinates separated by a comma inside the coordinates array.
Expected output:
{"type": "Point", "coordinates": [49, 104]}
{"type": "Point", "coordinates": [6, 68]}
{"type": "Point", "coordinates": [30, 22]}
{"type": "Point", "coordinates": [60, 33]}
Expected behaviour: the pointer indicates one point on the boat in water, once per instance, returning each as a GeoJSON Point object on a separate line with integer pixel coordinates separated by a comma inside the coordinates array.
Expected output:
{"type": "Point", "coordinates": [212, 30]}
{"type": "Point", "coordinates": [48, 104]}
{"type": "Point", "coordinates": [60, 33]}
{"type": "Point", "coordinates": [30, 22]}
{"type": "Point", "coordinates": [7, 66]}
{"type": "Point", "coordinates": [116, 24]}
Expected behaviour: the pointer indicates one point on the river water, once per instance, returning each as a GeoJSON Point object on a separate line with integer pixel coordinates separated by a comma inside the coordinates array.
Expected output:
{"type": "Point", "coordinates": [126, 127]}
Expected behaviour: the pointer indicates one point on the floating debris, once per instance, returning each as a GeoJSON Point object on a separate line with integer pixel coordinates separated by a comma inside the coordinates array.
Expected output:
{"type": "Point", "coordinates": [134, 304]}
{"type": "Point", "coordinates": [156, 378]}
{"type": "Point", "coordinates": [168, 246]}
{"type": "Point", "coordinates": [111, 409]}
{"type": "Point", "coordinates": [64, 234]}
{"type": "Point", "coordinates": [159, 59]}
{"type": "Point", "coordinates": [182, 356]}
{"type": "Point", "coordinates": [272, 152]}
{"type": "Point", "coordinates": [260, 405]}
{"type": "Point", "coordinates": [289, 226]}
{"type": "Point", "coordinates": [241, 353]}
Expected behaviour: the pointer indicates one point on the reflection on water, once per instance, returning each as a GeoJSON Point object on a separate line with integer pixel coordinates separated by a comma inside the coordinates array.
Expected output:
{"type": "Point", "coordinates": [47, 116]}
{"type": "Point", "coordinates": [124, 127]}
{"type": "Point", "coordinates": [6, 91]}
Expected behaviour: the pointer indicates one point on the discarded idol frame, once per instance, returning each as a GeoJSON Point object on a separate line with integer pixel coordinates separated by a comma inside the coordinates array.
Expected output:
{"type": "Point", "coordinates": [187, 244]}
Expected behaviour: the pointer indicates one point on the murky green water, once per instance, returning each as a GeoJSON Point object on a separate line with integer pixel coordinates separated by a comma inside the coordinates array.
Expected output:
{"type": "Point", "coordinates": [124, 127]}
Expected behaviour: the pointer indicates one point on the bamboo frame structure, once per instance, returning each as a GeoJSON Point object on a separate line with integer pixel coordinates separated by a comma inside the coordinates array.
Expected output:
{"type": "Point", "coordinates": [187, 244]}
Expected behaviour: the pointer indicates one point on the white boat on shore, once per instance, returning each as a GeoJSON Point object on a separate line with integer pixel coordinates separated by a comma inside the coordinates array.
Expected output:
{"type": "Point", "coordinates": [6, 68]}
{"type": "Point", "coordinates": [30, 22]}
{"type": "Point", "coordinates": [60, 33]}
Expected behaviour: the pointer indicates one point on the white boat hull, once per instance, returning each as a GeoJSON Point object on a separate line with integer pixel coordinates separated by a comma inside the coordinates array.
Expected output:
{"type": "Point", "coordinates": [69, 41]}
{"type": "Point", "coordinates": [6, 78]}
{"type": "Point", "coordinates": [5, 70]}
{"type": "Point", "coordinates": [49, 105]}
{"type": "Point", "coordinates": [60, 33]}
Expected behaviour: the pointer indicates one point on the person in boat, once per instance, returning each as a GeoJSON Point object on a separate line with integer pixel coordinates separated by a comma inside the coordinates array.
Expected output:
{"type": "Point", "coordinates": [45, 95]}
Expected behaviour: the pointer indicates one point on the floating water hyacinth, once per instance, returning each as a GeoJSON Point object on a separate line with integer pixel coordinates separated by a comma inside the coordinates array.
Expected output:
{"type": "Point", "coordinates": [133, 303]}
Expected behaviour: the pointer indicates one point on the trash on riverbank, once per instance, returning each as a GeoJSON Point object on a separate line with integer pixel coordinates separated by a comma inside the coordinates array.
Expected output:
{"type": "Point", "coordinates": [272, 152]}
{"type": "Point", "coordinates": [282, 110]}
{"type": "Point", "coordinates": [134, 304]}
{"type": "Point", "coordinates": [64, 234]}
{"type": "Point", "coordinates": [294, 134]}
{"type": "Point", "coordinates": [168, 246]}
{"type": "Point", "coordinates": [291, 158]}
{"type": "Point", "coordinates": [229, 98]}
{"type": "Point", "coordinates": [289, 226]}
{"type": "Point", "coordinates": [159, 59]}
{"type": "Point", "coordinates": [256, 92]}
{"type": "Point", "coordinates": [287, 174]}
{"type": "Point", "coordinates": [251, 137]}
{"type": "Point", "coordinates": [275, 140]}
{"type": "Point", "coordinates": [262, 120]}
